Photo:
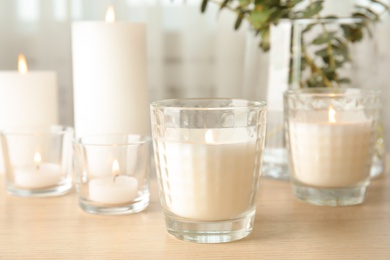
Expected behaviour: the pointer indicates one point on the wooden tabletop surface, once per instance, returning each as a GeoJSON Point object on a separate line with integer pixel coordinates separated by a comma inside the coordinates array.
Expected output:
{"type": "Point", "coordinates": [56, 228]}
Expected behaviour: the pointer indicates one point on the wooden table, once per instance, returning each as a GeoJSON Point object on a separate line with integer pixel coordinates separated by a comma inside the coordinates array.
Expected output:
{"type": "Point", "coordinates": [285, 228]}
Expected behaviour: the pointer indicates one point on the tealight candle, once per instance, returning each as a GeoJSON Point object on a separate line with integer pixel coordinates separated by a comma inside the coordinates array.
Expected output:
{"type": "Point", "coordinates": [118, 189]}
{"type": "Point", "coordinates": [41, 175]}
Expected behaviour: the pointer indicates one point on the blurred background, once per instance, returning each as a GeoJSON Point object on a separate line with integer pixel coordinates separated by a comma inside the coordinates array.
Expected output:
{"type": "Point", "coordinates": [189, 54]}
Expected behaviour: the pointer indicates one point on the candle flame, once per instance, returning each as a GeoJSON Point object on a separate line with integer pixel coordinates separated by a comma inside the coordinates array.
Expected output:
{"type": "Point", "coordinates": [209, 137]}
{"type": "Point", "coordinates": [110, 15]}
{"type": "Point", "coordinates": [22, 64]}
{"type": "Point", "coordinates": [332, 115]}
{"type": "Point", "coordinates": [37, 158]}
{"type": "Point", "coordinates": [115, 168]}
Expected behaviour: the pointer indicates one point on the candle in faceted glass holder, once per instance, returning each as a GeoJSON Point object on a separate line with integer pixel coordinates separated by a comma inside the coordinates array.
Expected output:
{"type": "Point", "coordinates": [330, 136]}
{"type": "Point", "coordinates": [208, 156]}
{"type": "Point", "coordinates": [112, 173]}
{"type": "Point", "coordinates": [38, 160]}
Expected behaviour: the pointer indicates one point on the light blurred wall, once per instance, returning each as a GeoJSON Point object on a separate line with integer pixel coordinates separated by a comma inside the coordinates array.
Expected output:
{"type": "Point", "coordinates": [189, 54]}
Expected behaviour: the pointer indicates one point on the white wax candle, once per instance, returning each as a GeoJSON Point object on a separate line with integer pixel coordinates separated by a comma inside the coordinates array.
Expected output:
{"type": "Point", "coordinates": [27, 100]}
{"type": "Point", "coordinates": [48, 174]}
{"type": "Point", "coordinates": [208, 181]}
{"type": "Point", "coordinates": [109, 78]}
{"type": "Point", "coordinates": [331, 154]}
{"type": "Point", "coordinates": [107, 190]}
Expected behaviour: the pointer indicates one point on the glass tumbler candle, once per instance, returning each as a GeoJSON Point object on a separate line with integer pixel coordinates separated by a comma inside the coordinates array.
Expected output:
{"type": "Point", "coordinates": [208, 156]}
{"type": "Point", "coordinates": [38, 160]}
{"type": "Point", "coordinates": [112, 173]}
{"type": "Point", "coordinates": [330, 136]}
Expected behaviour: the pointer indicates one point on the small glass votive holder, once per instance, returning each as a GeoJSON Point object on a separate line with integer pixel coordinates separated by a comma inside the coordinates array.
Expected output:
{"type": "Point", "coordinates": [38, 160]}
{"type": "Point", "coordinates": [112, 173]}
{"type": "Point", "coordinates": [330, 136]}
{"type": "Point", "coordinates": [208, 155]}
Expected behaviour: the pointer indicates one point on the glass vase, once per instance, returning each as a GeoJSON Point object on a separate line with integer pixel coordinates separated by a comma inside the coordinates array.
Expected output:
{"type": "Point", "coordinates": [312, 53]}
{"type": "Point", "coordinates": [337, 53]}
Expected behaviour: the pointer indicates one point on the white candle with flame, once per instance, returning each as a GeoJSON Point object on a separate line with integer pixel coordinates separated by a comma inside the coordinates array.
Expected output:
{"type": "Point", "coordinates": [27, 98]}
{"type": "Point", "coordinates": [37, 176]}
{"type": "Point", "coordinates": [115, 189]}
{"type": "Point", "coordinates": [109, 76]}
{"type": "Point", "coordinates": [211, 177]}
{"type": "Point", "coordinates": [330, 154]}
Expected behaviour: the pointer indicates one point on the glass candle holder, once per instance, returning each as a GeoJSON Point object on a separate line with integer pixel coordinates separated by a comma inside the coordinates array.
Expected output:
{"type": "Point", "coordinates": [112, 173]}
{"type": "Point", "coordinates": [38, 160]}
{"type": "Point", "coordinates": [208, 156]}
{"type": "Point", "coordinates": [330, 136]}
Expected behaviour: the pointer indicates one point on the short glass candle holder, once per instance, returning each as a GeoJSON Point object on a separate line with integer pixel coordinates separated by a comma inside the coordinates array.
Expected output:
{"type": "Point", "coordinates": [208, 156]}
{"type": "Point", "coordinates": [38, 160]}
{"type": "Point", "coordinates": [330, 137]}
{"type": "Point", "coordinates": [112, 173]}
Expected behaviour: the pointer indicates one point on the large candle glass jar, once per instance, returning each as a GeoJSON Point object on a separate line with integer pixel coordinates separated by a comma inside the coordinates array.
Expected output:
{"type": "Point", "coordinates": [208, 156]}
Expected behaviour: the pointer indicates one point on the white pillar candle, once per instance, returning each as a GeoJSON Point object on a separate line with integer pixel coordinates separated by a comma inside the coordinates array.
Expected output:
{"type": "Point", "coordinates": [331, 154]}
{"type": "Point", "coordinates": [207, 180]}
{"type": "Point", "coordinates": [27, 99]}
{"type": "Point", "coordinates": [110, 78]}
{"type": "Point", "coordinates": [48, 174]}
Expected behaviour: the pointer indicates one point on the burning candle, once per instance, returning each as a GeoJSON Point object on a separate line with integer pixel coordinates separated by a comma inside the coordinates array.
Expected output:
{"type": "Point", "coordinates": [209, 179]}
{"type": "Point", "coordinates": [335, 153]}
{"type": "Point", "coordinates": [40, 175]}
{"type": "Point", "coordinates": [118, 189]}
{"type": "Point", "coordinates": [27, 98]}
{"type": "Point", "coordinates": [109, 74]}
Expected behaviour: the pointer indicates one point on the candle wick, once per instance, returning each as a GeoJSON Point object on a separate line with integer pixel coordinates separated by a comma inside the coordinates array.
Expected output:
{"type": "Point", "coordinates": [37, 167]}
{"type": "Point", "coordinates": [116, 175]}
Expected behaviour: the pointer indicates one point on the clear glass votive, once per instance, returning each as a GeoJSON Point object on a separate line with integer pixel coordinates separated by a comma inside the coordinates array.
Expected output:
{"type": "Point", "coordinates": [38, 160]}
{"type": "Point", "coordinates": [112, 173]}
{"type": "Point", "coordinates": [330, 134]}
{"type": "Point", "coordinates": [208, 155]}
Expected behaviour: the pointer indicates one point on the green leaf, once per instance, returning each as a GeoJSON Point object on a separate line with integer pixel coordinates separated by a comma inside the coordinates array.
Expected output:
{"type": "Point", "coordinates": [224, 4]}
{"type": "Point", "coordinates": [244, 3]}
{"type": "Point", "coordinates": [324, 38]}
{"type": "Point", "coordinates": [203, 6]}
{"type": "Point", "coordinates": [361, 15]}
{"type": "Point", "coordinates": [331, 17]}
{"type": "Point", "coordinates": [259, 18]}
{"type": "Point", "coordinates": [293, 2]}
{"type": "Point", "coordinates": [275, 15]}
{"type": "Point", "coordinates": [352, 33]}
{"type": "Point", "coordinates": [313, 9]}
{"type": "Point", "coordinates": [265, 40]}
{"type": "Point", "coordinates": [309, 27]}
{"type": "Point", "coordinates": [344, 81]}
{"type": "Point", "coordinates": [239, 19]}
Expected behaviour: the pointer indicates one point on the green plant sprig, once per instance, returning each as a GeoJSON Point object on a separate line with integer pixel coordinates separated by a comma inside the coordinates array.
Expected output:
{"type": "Point", "coordinates": [334, 49]}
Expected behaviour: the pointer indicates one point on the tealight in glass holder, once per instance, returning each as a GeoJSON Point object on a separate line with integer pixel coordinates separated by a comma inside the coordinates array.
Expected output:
{"type": "Point", "coordinates": [208, 156]}
{"type": "Point", "coordinates": [38, 160]}
{"type": "Point", "coordinates": [112, 173]}
{"type": "Point", "coordinates": [330, 134]}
